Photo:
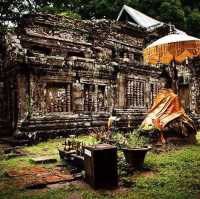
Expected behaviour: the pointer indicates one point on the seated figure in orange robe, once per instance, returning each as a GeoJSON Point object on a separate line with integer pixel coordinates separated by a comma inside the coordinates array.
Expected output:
{"type": "Point", "coordinates": [168, 116]}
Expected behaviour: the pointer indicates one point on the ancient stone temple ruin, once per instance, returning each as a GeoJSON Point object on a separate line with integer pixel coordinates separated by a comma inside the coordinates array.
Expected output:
{"type": "Point", "coordinates": [60, 75]}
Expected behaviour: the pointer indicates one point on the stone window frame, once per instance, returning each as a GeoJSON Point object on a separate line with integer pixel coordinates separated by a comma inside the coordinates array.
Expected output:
{"type": "Point", "coordinates": [68, 92]}
{"type": "Point", "coordinates": [93, 97]}
{"type": "Point", "coordinates": [136, 97]}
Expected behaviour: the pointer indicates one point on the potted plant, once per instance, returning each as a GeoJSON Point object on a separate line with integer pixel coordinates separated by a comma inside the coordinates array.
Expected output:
{"type": "Point", "coordinates": [135, 149]}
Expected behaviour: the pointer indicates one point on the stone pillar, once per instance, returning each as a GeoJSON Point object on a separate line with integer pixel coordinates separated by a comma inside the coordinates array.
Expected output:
{"type": "Point", "coordinates": [106, 98]}
{"type": "Point", "coordinates": [111, 101]}
{"type": "Point", "coordinates": [22, 96]}
{"type": "Point", "coordinates": [121, 85]}
{"type": "Point", "coordinates": [95, 98]}
{"type": "Point", "coordinates": [193, 95]}
{"type": "Point", "coordinates": [77, 98]}
{"type": "Point", "coordinates": [2, 101]}
{"type": "Point", "coordinates": [36, 103]}
{"type": "Point", "coordinates": [198, 95]}
{"type": "Point", "coordinates": [148, 94]}
{"type": "Point", "coordinates": [91, 98]}
{"type": "Point", "coordinates": [69, 101]}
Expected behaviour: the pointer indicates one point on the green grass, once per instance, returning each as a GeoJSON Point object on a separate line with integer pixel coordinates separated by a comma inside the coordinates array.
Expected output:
{"type": "Point", "coordinates": [176, 175]}
{"type": "Point", "coordinates": [45, 148]}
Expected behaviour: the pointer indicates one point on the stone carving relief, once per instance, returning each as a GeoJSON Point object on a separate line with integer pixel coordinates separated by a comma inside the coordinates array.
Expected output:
{"type": "Point", "coordinates": [135, 93]}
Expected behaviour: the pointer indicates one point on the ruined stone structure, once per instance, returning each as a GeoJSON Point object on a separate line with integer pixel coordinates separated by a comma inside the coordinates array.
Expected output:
{"type": "Point", "coordinates": [60, 75]}
{"type": "Point", "coordinates": [195, 88]}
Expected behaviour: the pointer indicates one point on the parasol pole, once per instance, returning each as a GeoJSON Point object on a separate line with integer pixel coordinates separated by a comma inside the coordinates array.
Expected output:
{"type": "Point", "coordinates": [174, 75]}
{"type": "Point", "coordinates": [174, 72]}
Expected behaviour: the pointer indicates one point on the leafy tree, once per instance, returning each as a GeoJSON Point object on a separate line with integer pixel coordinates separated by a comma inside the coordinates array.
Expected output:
{"type": "Point", "coordinates": [183, 13]}
{"type": "Point", "coordinates": [59, 11]}
{"type": "Point", "coordinates": [11, 10]}
{"type": "Point", "coordinates": [193, 23]}
{"type": "Point", "coordinates": [191, 3]}
{"type": "Point", "coordinates": [172, 13]}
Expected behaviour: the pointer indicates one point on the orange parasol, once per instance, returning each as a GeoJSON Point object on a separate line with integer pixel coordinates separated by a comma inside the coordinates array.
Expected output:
{"type": "Point", "coordinates": [173, 47]}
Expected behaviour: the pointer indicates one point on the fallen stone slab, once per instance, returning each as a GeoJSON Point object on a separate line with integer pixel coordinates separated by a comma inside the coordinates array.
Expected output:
{"type": "Point", "coordinates": [38, 177]}
{"type": "Point", "coordinates": [51, 179]}
{"type": "Point", "coordinates": [44, 160]}
{"type": "Point", "coordinates": [29, 182]}
{"type": "Point", "coordinates": [26, 171]}
{"type": "Point", "coordinates": [41, 181]}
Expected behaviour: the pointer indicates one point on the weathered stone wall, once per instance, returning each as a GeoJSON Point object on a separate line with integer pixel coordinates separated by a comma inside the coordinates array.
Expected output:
{"type": "Point", "coordinates": [195, 86]}
{"type": "Point", "coordinates": [3, 121]}
{"type": "Point", "coordinates": [65, 75]}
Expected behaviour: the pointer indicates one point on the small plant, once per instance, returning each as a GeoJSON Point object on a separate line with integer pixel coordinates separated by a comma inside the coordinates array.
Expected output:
{"type": "Point", "coordinates": [135, 140]}
{"type": "Point", "coordinates": [119, 138]}
{"type": "Point", "coordinates": [131, 140]}
{"type": "Point", "coordinates": [101, 134]}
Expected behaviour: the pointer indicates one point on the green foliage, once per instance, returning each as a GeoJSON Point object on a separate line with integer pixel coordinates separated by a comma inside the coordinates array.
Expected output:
{"type": "Point", "coordinates": [11, 10]}
{"type": "Point", "coordinates": [131, 140]}
{"type": "Point", "coordinates": [70, 14]}
{"type": "Point", "coordinates": [49, 9]}
{"type": "Point", "coordinates": [4, 28]}
{"type": "Point", "coordinates": [85, 139]}
{"type": "Point", "coordinates": [134, 140]}
{"type": "Point", "coordinates": [193, 22]}
{"type": "Point", "coordinates": [45, 148]}
{"type": "Point", "coordinates": [184, 14]}
{"type": "Point", "coordinates": [119, 137]}
{"type": "Point", "coordinates": [60, 11]}
{"type": "Point", "coordinates": [173, 14]}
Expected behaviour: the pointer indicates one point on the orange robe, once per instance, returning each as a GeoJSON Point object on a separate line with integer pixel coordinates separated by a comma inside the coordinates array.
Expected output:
{"type": "Point", "coordinates": [166, 108]}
